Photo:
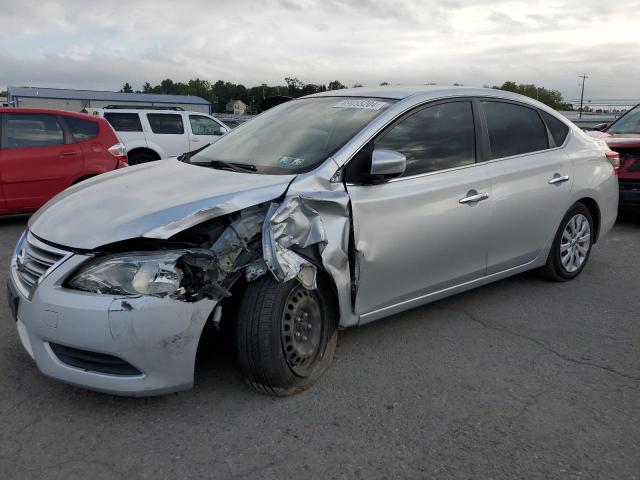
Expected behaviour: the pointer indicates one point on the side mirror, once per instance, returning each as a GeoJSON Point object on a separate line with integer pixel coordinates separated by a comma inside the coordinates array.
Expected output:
{"type": "Point", "coordinates": [601, 127]}
{"type": "Point", "coordinates": [222, 131]}
{"type": "Point", "coordinates": [387, 164]}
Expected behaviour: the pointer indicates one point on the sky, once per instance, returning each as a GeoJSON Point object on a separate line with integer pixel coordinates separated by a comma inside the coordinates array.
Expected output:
{"type": "Point", "coordinates": [89, 44]}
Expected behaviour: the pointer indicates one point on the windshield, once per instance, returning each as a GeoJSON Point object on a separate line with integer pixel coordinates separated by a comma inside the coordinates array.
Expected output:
{"type": "Point", "coordinates": [294, 137]}
{"type": "Point", "coordinates": [628, 123]}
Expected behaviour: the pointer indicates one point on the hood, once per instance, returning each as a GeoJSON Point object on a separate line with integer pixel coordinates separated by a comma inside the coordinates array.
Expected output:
{"type": "Point", "coordinates": [620, 140]}
{"type": "Point", "coordinates": [153, 200]}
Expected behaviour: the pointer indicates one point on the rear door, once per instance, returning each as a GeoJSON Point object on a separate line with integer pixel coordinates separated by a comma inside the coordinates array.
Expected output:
{"type": "Point", "coordinates": [203, 130]}
{"type": "Point", "coordinates": [168, 131]}
{"type": "Point", "coordinates": [128, 128]}
{"type": "Point", "coordinates": [531, 178]}
{"type": "Point", "coordinates": [39, 159]}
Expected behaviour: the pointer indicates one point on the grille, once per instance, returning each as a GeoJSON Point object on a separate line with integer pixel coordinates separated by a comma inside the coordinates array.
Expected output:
{"type": "Point", "coordinates": [33, 261]}
{"type": "Point", "coordinates": [93, 361]}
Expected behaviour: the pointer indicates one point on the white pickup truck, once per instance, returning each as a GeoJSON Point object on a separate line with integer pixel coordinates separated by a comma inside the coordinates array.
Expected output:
{"type": "Point", "coordinates": [151, 134]}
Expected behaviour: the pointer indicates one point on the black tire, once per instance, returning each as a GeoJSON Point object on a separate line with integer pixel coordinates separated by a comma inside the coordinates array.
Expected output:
{"type": "Point", "coordinates": [554, 268]}
{"type": "Point", "coordinates": [270, 362]}
{"type": "Point", "coordinates": [141, 157]}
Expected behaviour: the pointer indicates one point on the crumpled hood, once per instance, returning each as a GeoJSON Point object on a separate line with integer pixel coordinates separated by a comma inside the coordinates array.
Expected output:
{"type": "Point", "coordinates": [154, 200]}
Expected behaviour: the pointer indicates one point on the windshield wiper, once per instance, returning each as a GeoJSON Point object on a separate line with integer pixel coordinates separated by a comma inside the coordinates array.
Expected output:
{"type": "Point", "coordinates": [236, 167]}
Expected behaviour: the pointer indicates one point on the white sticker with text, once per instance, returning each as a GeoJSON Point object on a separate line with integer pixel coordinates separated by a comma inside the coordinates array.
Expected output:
{"type": "Point", "coordinates": [364, 104]}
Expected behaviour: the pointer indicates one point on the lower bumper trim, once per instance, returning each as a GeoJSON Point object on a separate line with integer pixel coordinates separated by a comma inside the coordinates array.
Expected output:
{"type": "Point", "coordinates": [93, 361]}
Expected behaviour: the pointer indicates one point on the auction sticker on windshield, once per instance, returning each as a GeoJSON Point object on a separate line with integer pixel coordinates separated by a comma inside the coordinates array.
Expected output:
{"type": "Point", "coordinates": [364, 104]}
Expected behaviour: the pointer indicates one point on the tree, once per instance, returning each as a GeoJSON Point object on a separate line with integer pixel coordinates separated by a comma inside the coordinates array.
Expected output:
{"type": "Point", "coordinates": [552, 98]}
{"type": "Point", "coordinates": [335, 85]}
{"type": "Point", "coordinates": [126, 88]}
{"type": "Point", "coordinates": [384, 84]}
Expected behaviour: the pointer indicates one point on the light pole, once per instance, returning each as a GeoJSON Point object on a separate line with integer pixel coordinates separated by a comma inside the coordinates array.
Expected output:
{"type": "Point", "coordinates": [583, 77]}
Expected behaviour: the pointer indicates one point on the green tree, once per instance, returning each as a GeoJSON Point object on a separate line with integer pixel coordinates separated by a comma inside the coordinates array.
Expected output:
{"type": "Point", "coordinates": [335, 85]}
{"type": "Point", "coordinates": [126, 88]}
{"type": "Point", "coordinates": [552, 98]}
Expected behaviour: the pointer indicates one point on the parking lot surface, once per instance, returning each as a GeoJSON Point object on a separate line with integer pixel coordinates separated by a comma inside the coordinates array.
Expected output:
{"type": "Point", "coordinates": [523, 378]}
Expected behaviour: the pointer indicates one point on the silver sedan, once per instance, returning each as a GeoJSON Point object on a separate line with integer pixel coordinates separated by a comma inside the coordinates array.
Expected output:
{"type": "Point", "coordinates": [326, 212]}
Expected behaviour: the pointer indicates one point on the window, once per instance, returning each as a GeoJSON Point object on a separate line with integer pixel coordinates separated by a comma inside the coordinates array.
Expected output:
{"type": "Point", "coordinates": [33, 130]}
{"type": "Point", "coordinates": [165, 123]}
{"type": "Point", "coordinates": [514, 129]}
{"type": "Point", "coordinates": [124, 122]}
{"type": "Point", "coordinates": [434, 138]}
{"type": "Point", "coordinates": [559, 130]}
{"type": "Point", "coordinates": [628, 123]}
{"type": "Point", "coordinates": [82, 129]}
{"type": "Point", "coordinates": [203, 125]}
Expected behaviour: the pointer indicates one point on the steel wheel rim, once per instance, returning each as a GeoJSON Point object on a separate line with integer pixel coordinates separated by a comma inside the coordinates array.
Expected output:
{"type": "Point", "coordinates": [302, 330]}
{"type": "Point", "coordinates": [575, 243]}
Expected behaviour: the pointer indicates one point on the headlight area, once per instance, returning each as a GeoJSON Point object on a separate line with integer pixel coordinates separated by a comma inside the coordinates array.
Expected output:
{"type": "Point", "coordinates": [138, 273]}
{"type": "Point", "coordinates": [182, 274]}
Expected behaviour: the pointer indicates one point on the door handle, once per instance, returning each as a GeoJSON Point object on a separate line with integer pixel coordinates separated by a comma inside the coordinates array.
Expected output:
{"type": "Point", "coordinates": [68, 154]}
{"type": "Point", "coordinates": [474, 197]}
{"type": "Point", "coordinates": [195, 139]}
{"type": "Point", "coordinates": [557, 178]}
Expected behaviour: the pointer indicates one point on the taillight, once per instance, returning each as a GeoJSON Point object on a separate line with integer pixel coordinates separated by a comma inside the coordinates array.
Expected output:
{"type": "Point", "coordinates": [614, 158]}
{"type": "Point", "coordinates": [119, 151]}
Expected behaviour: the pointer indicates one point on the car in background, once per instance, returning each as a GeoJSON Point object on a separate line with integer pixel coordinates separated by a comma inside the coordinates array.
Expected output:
{"type": "Point", "coordinates": [623, 137]}
{"type": "Point", "coordinates": [42, 152]}
{"type": "Point", "coordinates": [153, 133]}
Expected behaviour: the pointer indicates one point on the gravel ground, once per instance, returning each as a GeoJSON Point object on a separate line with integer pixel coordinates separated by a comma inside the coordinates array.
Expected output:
{"type": "Point", "coordinates": [520, 379]}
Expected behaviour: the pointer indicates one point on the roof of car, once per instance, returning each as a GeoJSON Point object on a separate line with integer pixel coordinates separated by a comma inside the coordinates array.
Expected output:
{"type": "Point", "coordinates": [68, 94]}
{"type": "Point", "coordinates": [399, 92]}
{"type": "Point", "coordinates": [49, 111]}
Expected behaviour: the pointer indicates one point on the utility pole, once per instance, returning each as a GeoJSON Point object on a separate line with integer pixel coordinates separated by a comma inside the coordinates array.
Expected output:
{"type": "Point", "coordinates": [583, 77]}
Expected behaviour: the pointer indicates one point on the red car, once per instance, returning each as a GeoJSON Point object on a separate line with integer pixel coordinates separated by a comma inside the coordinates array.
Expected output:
{"type": "Point", "coordinates": [42, 152]}
{"type": "Point", "coordinates": [623, 136]}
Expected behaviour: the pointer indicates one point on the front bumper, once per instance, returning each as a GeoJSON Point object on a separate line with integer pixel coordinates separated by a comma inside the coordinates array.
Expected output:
{"type": "Point", "coordinates": [157, 336]}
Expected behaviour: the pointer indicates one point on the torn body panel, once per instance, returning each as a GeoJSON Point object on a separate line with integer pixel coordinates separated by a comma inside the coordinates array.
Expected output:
{"type": "Point", "coordinates": [315, 211]}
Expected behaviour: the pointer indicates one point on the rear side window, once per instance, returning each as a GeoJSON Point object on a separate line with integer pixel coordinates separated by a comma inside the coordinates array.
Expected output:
{"type": "Point", "coordinates": [33, 130]}
{"type": "Point", "coordinates": [82, 129]}
{"type": "Point", "coordinates": [559, 130]}
{"type": "Point", "coordinates": [124, 122]}
{"type": "Point", "coordinates": [514, 129]}
{"type": "Point", "coordinates": [434, 138]}
{"type": "Point", "coordinates": [165, 123]}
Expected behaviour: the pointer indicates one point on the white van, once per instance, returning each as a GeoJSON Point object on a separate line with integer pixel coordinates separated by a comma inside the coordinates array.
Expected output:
{"type": "Point", "coordinates": [160, 132]}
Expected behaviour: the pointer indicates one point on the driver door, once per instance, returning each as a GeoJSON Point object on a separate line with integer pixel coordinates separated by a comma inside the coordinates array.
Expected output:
{"type": "Point", "coordinates": [412, 234]}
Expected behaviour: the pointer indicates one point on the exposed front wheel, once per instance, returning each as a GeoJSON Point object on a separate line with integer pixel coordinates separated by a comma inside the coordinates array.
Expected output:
{"type": "Point", "coordinates": [572, 245]}
{"type": "Point", "coordinates": [286, 335]}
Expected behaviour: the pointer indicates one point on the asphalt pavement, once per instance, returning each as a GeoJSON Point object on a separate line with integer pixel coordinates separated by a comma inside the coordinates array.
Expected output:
{"type": "Point", "coordinates": [523, 378]}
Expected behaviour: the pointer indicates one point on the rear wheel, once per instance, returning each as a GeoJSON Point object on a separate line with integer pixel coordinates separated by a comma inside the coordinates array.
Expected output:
{"type": "Point", "coordinates": [572, 245]}
{"type": "Point", "coordinates": [285, 335]}
{"type": "Point", "coordinates": [141, 157]}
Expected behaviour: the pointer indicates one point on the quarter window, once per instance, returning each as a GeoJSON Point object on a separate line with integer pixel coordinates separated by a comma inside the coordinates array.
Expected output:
{"type": "Point", "coordinates": [82, 129]}
{"type": "Point", "coordinates": [124, 122]}
{"type": "Point", "coordinates": [434, 138]}
{"type": "Point", "coordinates": [33, 130]}
{"type": "Point", "coordinates": [514, 129]}
{"type": "Point", "coordinates": [559, 130]}
{"type": "Point", "coordinates": [165, 123]}
{"type": "Point", "coordinates": [201, 125]}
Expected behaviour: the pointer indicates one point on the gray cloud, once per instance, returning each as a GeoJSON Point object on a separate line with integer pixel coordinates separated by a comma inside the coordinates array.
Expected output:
{"type": "Point", "coordinates": [77, 44]}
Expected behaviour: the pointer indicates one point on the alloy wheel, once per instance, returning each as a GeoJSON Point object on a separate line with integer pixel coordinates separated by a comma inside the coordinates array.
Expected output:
{"type": "Point", "coordinates": [575, 243]}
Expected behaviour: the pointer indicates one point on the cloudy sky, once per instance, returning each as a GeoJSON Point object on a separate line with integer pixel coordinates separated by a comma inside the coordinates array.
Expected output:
{"type": "Point", "coordinates": [101, 44]}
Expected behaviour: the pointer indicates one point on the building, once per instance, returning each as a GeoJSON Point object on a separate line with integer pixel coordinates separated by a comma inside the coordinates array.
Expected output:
{"type": "Point", "coordinates": [78, 100]}
{"type": "Point", "coordinates": [3, 102]}
{"type": "Point", "coordinates": [237, 107]}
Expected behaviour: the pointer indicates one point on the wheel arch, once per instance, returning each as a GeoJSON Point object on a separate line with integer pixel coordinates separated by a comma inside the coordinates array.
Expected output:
{"type": "Point", "coordinates": [140, 150]}
{"type": "Point", "coordinates": [594, 209]}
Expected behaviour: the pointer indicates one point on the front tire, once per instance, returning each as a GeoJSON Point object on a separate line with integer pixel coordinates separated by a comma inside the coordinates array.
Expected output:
{"type": "Point", "coordinates": [285, 335]}
{"type": "Point", "coordinates": [572, 245]}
